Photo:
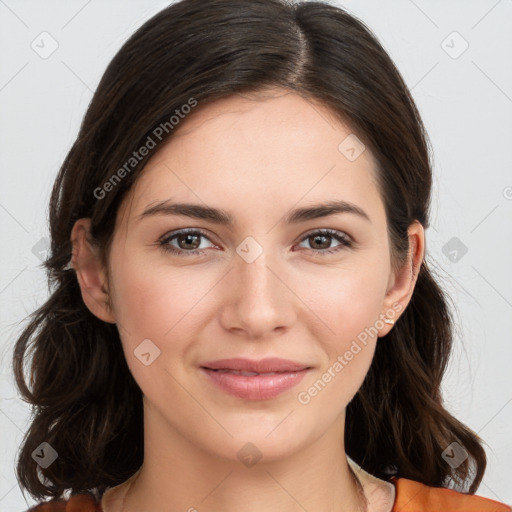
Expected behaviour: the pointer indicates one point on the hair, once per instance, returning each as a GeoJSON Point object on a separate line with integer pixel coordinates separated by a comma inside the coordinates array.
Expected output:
{"type": "Point", "coordinates": [85, 402]}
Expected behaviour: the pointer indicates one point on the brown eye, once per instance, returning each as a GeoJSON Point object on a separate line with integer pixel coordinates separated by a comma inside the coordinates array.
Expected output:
{"type": "Point", "coordinates": [184, 243]}
{"type": "Point", "coordinates": [188, 241]}
{"type": "Point", "coordinates": [320, 241]}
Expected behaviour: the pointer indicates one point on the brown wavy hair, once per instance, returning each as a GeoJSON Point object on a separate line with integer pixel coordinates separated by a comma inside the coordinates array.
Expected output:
{"type": "Point", "coordinates": [69, 365]}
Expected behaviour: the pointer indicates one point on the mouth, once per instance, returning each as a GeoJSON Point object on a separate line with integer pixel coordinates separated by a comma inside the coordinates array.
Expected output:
{"type": "Point", "coordinates": [267, 365]}
{"type": "Point", "coordinates": [254, 380]}
{"type": "Point", "coordinates": [245, 374]}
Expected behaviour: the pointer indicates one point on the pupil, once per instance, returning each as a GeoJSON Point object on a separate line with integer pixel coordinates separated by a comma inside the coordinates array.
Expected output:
{"type": "Point", "coordinates": [325, 238]}
{"type": "Point", "coordinates": [187, 239]}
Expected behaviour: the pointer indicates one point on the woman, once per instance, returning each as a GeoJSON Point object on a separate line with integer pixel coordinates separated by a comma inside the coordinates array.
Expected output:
{"type": "Point", "coordinates": [242, 316]}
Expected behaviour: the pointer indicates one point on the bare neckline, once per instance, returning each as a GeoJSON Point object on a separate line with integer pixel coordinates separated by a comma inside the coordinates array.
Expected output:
{"type": "Point", "coordinates": [381, 495]}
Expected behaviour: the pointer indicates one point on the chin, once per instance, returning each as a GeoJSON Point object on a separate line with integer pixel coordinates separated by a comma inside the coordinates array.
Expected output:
{"type": "Point", "coordinates": [270, 441]}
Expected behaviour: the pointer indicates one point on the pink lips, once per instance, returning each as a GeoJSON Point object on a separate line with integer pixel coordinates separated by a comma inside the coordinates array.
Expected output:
{"type": "Point", "coordinates": [255, 380]}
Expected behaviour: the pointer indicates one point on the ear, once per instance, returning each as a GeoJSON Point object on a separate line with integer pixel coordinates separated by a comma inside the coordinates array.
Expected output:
{"type": "Point", "coordinates": [402, 282]}
{"type": "Point", "coordinates": [91, 275]}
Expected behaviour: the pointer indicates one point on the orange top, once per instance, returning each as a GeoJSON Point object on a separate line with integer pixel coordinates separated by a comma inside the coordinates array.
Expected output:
{"type": "Point", "coordinates": [410, 496]}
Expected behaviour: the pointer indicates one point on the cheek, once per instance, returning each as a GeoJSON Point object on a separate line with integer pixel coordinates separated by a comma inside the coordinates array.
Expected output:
{"type": "Point", "coordinates": [347, 299]}
{"type": "Point", "coordinates": [348, 305]}
{"type": "Point", "coordinates": [160, 305]}
{"type": "Point", "coordinates": [152, 301]}
{"type": "Point", "coordinates": [169, 305]}
{"type": "Point", "coordinates": [348, 356]}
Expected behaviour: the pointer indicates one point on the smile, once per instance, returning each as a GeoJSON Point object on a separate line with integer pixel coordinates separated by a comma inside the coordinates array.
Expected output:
{"type": "Point", "coordinates": [253, 385]}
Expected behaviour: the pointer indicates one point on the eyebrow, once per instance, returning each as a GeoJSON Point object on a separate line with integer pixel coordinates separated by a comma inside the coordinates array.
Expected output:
{"type": "Point", "coordinates": [222, 217]}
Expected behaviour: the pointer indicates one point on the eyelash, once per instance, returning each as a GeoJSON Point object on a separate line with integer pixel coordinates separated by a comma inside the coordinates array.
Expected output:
{"type": "Point", "coordinates": [345, 242]}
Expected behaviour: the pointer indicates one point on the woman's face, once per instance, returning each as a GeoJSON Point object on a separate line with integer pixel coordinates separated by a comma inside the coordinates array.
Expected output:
{"type": "Point", "coordinates": [269, 284]}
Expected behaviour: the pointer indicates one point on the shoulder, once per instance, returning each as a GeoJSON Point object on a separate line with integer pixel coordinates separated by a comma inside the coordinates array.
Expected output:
{"type": "Point", "coordinates": [412, 496]}
{"type": "Point", "coordinates": [76, 503]}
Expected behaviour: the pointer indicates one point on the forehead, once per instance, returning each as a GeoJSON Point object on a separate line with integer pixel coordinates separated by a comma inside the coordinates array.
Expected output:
{"type": "Point", "coordinates": [256, 151]}
{"type": "Point", "coordinates": [258, 118]}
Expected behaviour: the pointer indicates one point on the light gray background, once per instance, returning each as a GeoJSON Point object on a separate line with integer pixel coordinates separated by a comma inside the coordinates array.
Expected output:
{"type": "Point", "coordinates": [465, 101]}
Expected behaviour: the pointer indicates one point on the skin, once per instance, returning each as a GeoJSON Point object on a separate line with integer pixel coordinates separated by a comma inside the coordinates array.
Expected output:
{"type": "Point", "coordinates": [257, 157]}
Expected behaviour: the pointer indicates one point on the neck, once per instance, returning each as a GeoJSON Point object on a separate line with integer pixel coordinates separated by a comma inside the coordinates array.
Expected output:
{"type": "Point", "coordinates": [176, 475]}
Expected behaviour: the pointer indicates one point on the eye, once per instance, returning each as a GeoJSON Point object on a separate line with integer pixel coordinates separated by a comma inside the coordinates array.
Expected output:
{"type": "Point", "coordinates": [185, 239]}
{"type": "Point", "coordinates": [321, 239]}
{"type": "Point", "coordinates": [188, 242]}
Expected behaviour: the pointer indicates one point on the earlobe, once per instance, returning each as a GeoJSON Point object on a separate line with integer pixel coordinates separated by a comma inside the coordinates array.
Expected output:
{"type": "Point", "coordinates": [90, 273]}
{"type": "Point", "coordinates": [399, 294]}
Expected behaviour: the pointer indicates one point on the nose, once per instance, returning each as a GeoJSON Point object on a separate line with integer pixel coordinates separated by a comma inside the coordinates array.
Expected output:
{"type": "Point", "coordinates": [256, 298]}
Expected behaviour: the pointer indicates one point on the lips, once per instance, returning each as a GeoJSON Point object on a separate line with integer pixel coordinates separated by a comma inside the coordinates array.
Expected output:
{"type": "Point", "coordinates": [254, 380]}
{"type": "Point", "coordinates": [268, 365]}
{"type": "Point", "coordinates": [245, 374]}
